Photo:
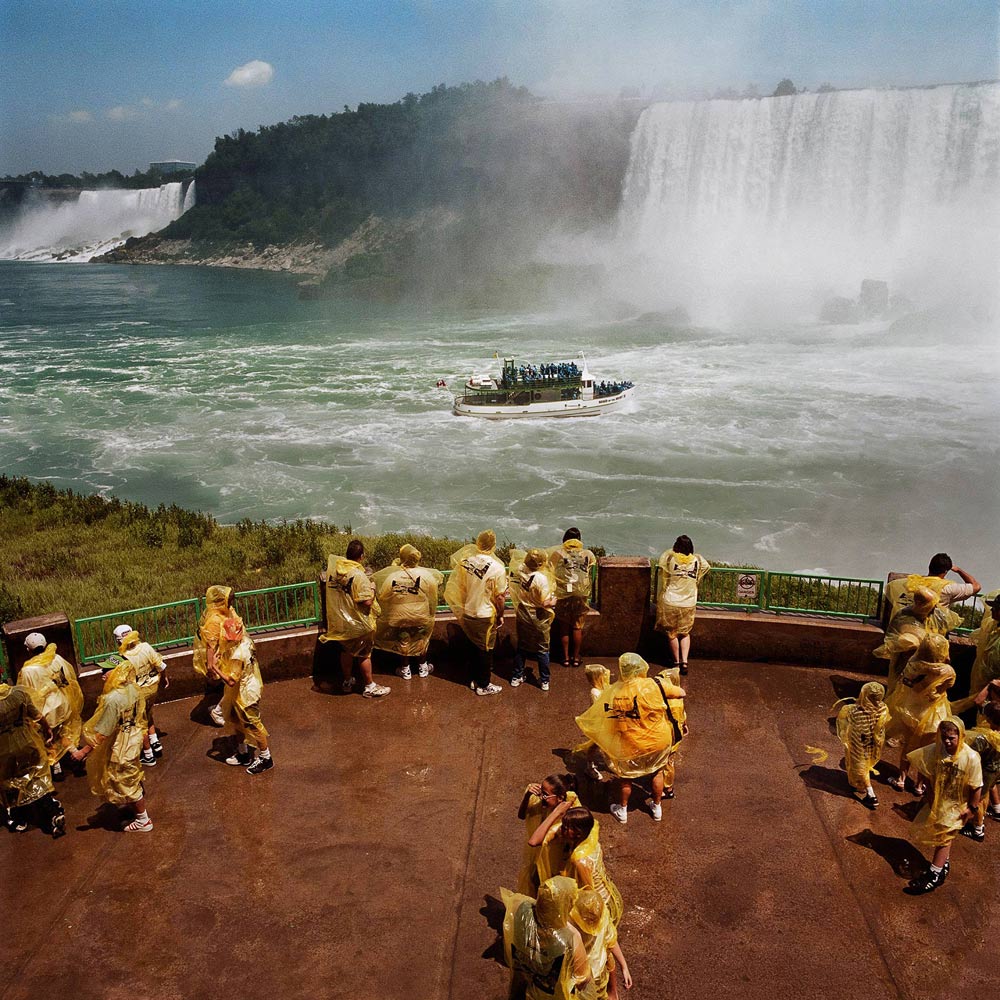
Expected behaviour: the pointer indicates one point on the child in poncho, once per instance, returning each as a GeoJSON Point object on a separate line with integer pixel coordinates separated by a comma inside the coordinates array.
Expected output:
{"type": "Point", "coordinates": [541, 862]}
{"type": "Point", "coordinates": [985, 740]}
{"type": "Point", "coordinates": [954, 783]}
{"type": "Point", "coordinates": [861, 727]}
{"type": "Point", "coordinates": [600, 937]}
{"type": "Point", "coordinates": [236, 664]}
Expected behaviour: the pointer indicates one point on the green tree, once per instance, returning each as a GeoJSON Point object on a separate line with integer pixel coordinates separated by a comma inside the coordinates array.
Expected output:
{"type": "Point", "coordinates": [785, 89]}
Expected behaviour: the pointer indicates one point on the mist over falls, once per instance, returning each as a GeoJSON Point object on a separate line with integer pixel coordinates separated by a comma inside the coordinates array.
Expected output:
{"type": "Point", "coordinates": [72, 227]}
{"type": "Point", "coordinates": [747, 208]}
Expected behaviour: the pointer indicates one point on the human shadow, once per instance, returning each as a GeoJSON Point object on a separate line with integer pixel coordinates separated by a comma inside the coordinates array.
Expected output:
{"type": "Point", "coordinates": [592, 792]}
{"type": "Point", "coordinates": [221, 748]}
{"type": "Point", "coordinates": [904, 859]}
{"type": "Point", "coordinates": [201, 711]}
{"type": "Point", "coordinates": [493, 911]}
{"type": "Point", "coordinates": [106, 817]}
{"type": "Point", "coordinates": [907, 810]}
{"type": "Point", "coordinates": [846, 687]}
{"type": "Point", "coordinates": [831, 780]}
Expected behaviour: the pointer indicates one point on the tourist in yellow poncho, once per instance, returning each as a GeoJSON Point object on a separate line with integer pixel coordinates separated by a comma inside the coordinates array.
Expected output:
{"type": "Point", "coordinates": [861, 727]}
{"type": "Point", "coordinates": [953, 778]}
{"type": "Point", "coordinates": [113, 744]}
{"type": "Point", "coordinates": [542, 948]}
{"type": "Point", "coordinates": [571, 566]}
{"type": "Point", "coordinates": [52, 682]}
{"type": "Point", "coordinates": [907, 627]}
{"type": "Point", "coordinates": [580, 831]}
{"type": "Point", "coordinates": [351, 614]}
{"type": "Point", "coordinates": [532, 588]}
{"type": "Point", "coordinates": [541, 862]}
{"type": "Point", "coordinates": [985, 740]}
{"type": "Point", "coordinates": [900, 592]}
{"type": "Point", "coordinates": [600, 937]}
{"type": "Point", "coordinates": [919, 702]}
{"type": "Point", "coordinates": [236, 664]}
{"type": "Point", "coordinates": [149, 671]}
{"type": "Point", "coordinates": [206, 640]}
{"type": "Point", "coordinates": [408, 595]}
{"type": "Point", "coordinates": [681, 570]}
{"type": "Point", "coordinates": [987, 638]}
{"type": "Point", "coordinates": [26, 791]}
{"type": "Point", "coordinates": [637, 730]}
{"type": "Point", "coordinates": [476, 592]}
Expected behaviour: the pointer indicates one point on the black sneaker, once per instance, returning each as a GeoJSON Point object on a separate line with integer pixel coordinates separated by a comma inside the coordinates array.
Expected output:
{"type": "Point", "coordinates": [928, 882]}
{"type": "Point", "coordinates": [157, 749]}
{"type": "Point", "coordinates": [970, 831]}
{"type": "Point", "coordinates": [260, 765]}
{"type": "Point", "coordinates": [147, 758]}
{"type": "Point", "coordinates": [58, 826]}
{"type": "Point", "coordinates": [870, 802]}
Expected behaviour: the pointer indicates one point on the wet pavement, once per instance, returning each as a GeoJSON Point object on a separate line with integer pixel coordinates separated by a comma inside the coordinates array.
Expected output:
{"type": "Point", "coordinates": [367, 863]}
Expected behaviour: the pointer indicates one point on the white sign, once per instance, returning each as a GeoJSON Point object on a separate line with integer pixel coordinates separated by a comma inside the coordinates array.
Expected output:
{"type": "Point", "coordinates": [746, 585]}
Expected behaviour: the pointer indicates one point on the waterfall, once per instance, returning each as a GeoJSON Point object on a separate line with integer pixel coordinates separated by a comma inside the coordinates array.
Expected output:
{"type": "Point", "coordinates": [78, 228]}
{"type": "Point", "coordinates": [799, 197]}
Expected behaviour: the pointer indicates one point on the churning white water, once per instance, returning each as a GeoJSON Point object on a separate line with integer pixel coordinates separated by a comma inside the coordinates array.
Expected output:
{"type": "Point", "coordinates": [79, 228]}
{"type": "Point", "coordinates": [745, 207]}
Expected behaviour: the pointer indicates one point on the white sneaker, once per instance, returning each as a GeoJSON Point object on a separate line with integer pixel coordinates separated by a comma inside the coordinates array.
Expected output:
{"type": "Point", "coordinates": [516, 682]}
{"type": "Point", "coordinates": [374, 690]}
{"type": "Point", "coordinates": [489, 689]}
{"type": "Point", "coordinates": [215, 714]}
{"type": "Point", "coordinates": [348, 685]}
{"type": "Point", "coordinates": [656, 810]}
{"type": "Point", "coordinates": [140, 826]}
{"type": "Point", "coordinates": [404, 672]}
{"type": "Point", "coordinates": [545, 685]}
{"type": "Point", "coordinates": [425, 669]}
{"type": "Point", "coordinates": [619, 812]}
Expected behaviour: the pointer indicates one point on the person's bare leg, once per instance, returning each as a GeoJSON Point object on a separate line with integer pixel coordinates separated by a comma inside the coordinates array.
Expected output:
{"type": "Point", "coordinates": [658, 787]}
{"type": "Point", "coordinates": [347, 665]}
{"type": "Point", "coordinates": [365, 666]}
{"type": "Point", "coordinates": [685, 647]}
{"type": "Point", "coordinates": [577, 643]}
{"type": "Point", "coordinates": [625, 791]}
{"type": "Point", "coordinates": [564, 638]}
{"type": "Point", "coordinates": [613, 984]}
{"type": "Point", "coordinates": [675, 650]}
{"type": "Point", "coordinates": [941, 855]}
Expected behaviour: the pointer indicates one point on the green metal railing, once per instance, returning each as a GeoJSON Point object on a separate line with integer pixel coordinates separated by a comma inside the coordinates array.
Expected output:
{"type": "Point", "coordinates": [176, 623]}
{"type": "Point", "coordinates": [971, 611]}
{"type": "Point", "coordinates": [160, 625]}
{"type": "Point", "coordinates": [742, 588]}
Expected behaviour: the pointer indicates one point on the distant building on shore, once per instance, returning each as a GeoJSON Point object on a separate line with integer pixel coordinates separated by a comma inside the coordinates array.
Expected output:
{"type": "Point", "coordinates": [174, 167]}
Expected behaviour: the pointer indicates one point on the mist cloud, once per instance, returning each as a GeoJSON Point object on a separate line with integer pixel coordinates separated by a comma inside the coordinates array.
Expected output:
{"type": "Point", "coordinates": [255, 73]}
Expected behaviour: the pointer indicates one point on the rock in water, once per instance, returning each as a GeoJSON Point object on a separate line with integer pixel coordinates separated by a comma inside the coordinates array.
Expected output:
{"type": "Point", "coordinates": [840, 310]}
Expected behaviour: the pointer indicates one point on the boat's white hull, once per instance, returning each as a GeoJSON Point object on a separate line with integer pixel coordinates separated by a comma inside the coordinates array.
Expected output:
{"type": "Point", "coordinates": [553, 408]}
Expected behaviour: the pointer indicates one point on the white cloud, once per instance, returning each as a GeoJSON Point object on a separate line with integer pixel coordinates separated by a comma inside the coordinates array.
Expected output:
{"type": "Point", "coordinates": [255, 73]}
{"type": "Point", "coordinates": [121, 113]}
{"type": "Point", "coordinates": [148, 102]}
{"type": "Point", "coordinates": [173, 104]}
{"type": "Point", "coordinates": [79, 117]}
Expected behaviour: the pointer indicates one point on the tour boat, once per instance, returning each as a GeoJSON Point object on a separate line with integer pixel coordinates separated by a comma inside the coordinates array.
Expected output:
{"type": "Point", "coordinates": [557, 389]}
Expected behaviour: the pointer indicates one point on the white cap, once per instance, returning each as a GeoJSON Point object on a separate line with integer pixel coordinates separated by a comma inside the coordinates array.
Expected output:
{"type": "Point", "coordinates": [34, 640]}
{"type": "Point", "coordinates": [121, 631]}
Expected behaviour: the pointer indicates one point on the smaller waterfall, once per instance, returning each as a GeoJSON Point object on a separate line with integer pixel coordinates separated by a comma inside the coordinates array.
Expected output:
{"type": "Point", "coordinates": [81, 228]}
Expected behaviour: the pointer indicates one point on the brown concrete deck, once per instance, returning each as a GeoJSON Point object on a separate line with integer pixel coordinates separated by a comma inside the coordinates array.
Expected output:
{"type": "Point", "coordinates": [367, 863]}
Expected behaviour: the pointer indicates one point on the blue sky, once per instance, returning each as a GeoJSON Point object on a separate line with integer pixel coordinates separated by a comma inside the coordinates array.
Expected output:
{"type": "Point", "coordinates": [96, 84]}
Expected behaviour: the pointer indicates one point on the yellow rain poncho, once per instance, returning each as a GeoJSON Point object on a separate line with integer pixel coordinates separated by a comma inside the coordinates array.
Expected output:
{"type": "Point", "coordinates": [25, 776]}
{"type": "Point", "coordinates": [477, 580]}
{"type": "Point", "coordinates": [571, 566]}
{"type": "Point", "coordinates": [631, 723]}
{"type": "Point", "coordinates": [593, 921]}
{"type": "Point", "coordinates": [241, 702]}
{"type": "Point", "coordinates": [216, 609]}
{"type": "Point", "coordinates": [350, 620]}
{"type": "Point", "coordinates": [919, 702]}
{"type": "Point", "coordinates": [677, 591]}
{"type": "Point", "coordinates": [907, 627]}
{"type": "Point", "coordinates": [541, 947]}
{"type": "Point", "coordinates": [116, 731]}
{"type": "Point", "coordinates": [586, 865]}
{"type": "Point", "coordinates": [900, 592]}
{"type": "Point", "coordinates": [953, 779]}
{"type": "Point", "coordinates": [408, 595]}
{"type": "Point", "coordinates": [861, 727]}
{"type": "Point", "coordinates": [987, 665]}
{"type": "Point", "coordinates": [986, 743]}
{"type": "Point", "coordinates": [532, 587]}
{"type": "Point", "coordinates": [148, 666]}
{"type": "Point", "coordinates": [540, 863]}
{"type": "Point", "coordinates": [52, 682]}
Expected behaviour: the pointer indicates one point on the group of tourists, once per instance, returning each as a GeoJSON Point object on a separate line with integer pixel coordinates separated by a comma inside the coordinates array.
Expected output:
{"type": "Point", "coordinates": [955, 770]}
{"type": "Point", "coordinates": [611, 388]}
{"type": "Point", "coordinates": [562, 371]}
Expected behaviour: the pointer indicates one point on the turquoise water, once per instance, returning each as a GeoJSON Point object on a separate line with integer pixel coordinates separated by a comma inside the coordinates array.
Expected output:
{"type": "Point", "coordinates": [856, 450]}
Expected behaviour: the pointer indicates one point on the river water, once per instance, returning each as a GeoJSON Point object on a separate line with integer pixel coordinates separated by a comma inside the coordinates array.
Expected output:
{"type": "Point", "coordinates": [852, 449]}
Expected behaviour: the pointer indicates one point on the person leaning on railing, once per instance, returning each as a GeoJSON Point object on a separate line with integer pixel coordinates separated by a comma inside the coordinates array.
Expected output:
{"type": "Point", "coordinates": [681, 570]}
{"type": "Point", "coordinates": [900, 592]}
{"type": "Point", "coordinates": [149, 671]}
